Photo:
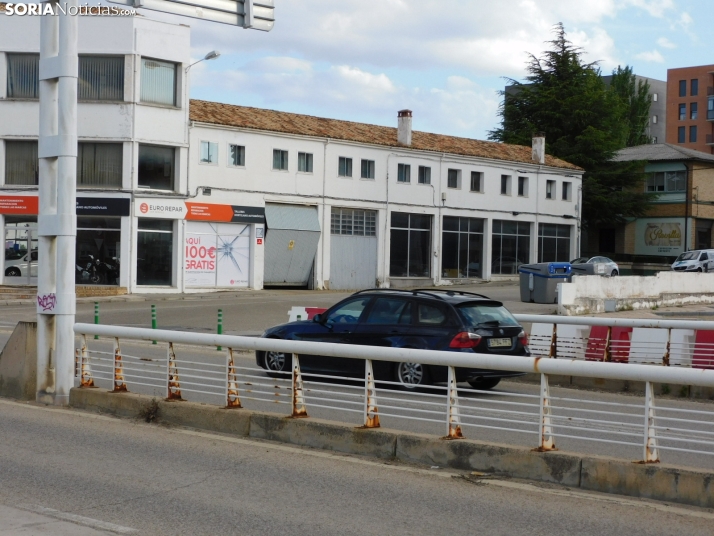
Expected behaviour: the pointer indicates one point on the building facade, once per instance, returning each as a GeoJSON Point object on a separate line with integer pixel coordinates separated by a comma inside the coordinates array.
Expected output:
{"type": "Point", "coordinates": [177, 195]}
{"type": "Point", "coordinates": [690, 107]}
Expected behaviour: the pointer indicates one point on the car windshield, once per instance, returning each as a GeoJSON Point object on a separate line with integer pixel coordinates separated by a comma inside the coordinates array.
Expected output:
{"type": "Point", "coordinates": [579, 260]}
{"type": "Point", "coordinates": [484, 314]}
{"type": "Point", "coordinates": [688, 256]}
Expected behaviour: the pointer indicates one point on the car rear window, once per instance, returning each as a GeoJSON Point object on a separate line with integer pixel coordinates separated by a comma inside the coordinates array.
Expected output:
{"type": "Point", "coordinates": [430, 314]}
{"type": "Point", "coordinates": [479, 314]}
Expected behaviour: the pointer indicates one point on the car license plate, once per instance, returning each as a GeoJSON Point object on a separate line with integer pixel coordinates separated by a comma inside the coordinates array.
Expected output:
{"type": "Point", "coordinates": [499, 343]}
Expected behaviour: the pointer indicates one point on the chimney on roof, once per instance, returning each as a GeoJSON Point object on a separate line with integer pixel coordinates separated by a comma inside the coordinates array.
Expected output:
{"type": "Point", "coordinates": [404, 127]}
{"type": "Point", "coordinates": [538, 151]}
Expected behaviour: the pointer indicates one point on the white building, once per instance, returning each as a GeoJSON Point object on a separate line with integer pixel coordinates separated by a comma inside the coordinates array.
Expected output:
{"type": "Point", "coordinates": [242, 197]}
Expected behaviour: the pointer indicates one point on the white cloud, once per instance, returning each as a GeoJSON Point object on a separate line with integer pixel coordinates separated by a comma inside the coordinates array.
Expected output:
{"type": "Point", "coordinates": [656, 8]}
{"type": "Point", "coordinates": [665, 43]}
{"type": "Point", "coordinates": [652, 56]}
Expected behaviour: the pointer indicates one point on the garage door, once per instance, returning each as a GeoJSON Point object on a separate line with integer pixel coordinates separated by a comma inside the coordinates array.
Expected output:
{"type": "Point", "coordinates": [291, 239]}
{"type": "Point", "coordinates": [353, 249]}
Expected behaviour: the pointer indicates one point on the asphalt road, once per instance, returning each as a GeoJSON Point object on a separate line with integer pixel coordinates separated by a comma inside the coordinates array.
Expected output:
{"type": "Point", "coordinates": [149, 479]}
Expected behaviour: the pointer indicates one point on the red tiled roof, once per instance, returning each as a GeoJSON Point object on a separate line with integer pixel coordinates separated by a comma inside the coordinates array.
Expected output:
{"type": "Point", "coordinates": [306, 125]}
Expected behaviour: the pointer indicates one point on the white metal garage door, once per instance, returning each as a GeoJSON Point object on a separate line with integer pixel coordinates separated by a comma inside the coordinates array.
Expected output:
{"type": "Point", "coordinates": [353, 249]}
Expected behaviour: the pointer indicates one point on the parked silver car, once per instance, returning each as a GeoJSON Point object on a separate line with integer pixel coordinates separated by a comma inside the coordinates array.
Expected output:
{"type": "Point", "coordinates": [18, 267]}
{"type": "Point", "coordinates": [595, 266]}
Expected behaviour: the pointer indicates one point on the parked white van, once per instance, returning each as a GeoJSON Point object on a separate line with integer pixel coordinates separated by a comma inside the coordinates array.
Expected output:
{"type": "Point", "coordinates": [697, 260]}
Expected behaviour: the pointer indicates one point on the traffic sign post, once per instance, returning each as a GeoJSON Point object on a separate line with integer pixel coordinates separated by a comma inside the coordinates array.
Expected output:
{"type": "Point", "coordinates": [57, 152]}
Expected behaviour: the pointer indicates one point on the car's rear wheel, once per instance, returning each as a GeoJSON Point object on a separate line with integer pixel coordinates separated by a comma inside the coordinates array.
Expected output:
{"type": "Point", "coordinates": [699, 269]}
{"type": "Point", "coordinates": [411, 375]}
{"type": "Point", "coordinates": [13, 272]}
{"type": "Point", "coordinates": [484, 384]}
{"type": "Point", "coordinates": [278, 364]}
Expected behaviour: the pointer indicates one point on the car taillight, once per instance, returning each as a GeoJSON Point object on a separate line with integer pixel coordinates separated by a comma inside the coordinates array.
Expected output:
{"type": "Point", "coordinates": [523, 338]}
{"type": "Point", "coordinates": [465, 340]}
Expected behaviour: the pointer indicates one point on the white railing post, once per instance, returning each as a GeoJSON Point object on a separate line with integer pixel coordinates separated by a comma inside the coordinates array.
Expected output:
{"type": "Point", "coordinates": [85, 371]}
{"type": "Point", "coordinates": [232, 398]}
{"type": "Point", "coordinates": [547, 442]}
{"type": "Point", "coordinates": [173, 384]}
{"type": "Point", "coordinates": [119, 383]}
{"type": "Point", "coordinates": [371, 417]}
{"type": "Point", "coordinates": [650, 453]}
{"type": "Point", "coordinates": [453, 419]}
{"type": "Point", "coordinates": [299, 409]}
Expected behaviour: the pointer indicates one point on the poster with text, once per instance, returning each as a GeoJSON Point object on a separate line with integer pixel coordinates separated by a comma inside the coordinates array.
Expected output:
{"type": "Point", "coordinates": [200, 263]}
{"type": "Point", "coordinates": [233, 255]}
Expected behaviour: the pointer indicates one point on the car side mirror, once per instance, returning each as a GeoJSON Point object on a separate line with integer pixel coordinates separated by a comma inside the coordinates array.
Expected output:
{"type": "Point", "coordinates": [317, 318]}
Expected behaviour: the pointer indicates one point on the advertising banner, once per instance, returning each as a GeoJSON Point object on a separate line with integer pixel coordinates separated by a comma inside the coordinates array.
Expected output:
{"type": "Point", "coordinates": [659, 236]}
{"type": "Point", "coordinates": [18, 204]}
{"type": "Point", "coordinates": [233, 253]}
{"type": "Point", "coordinates": [200, 258]}
{"type": "Point", "coordinates": [179, 209]}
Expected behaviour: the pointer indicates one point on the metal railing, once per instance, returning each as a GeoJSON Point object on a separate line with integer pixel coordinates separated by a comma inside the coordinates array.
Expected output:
{"type": "Point", "coordinates": [184, 370]}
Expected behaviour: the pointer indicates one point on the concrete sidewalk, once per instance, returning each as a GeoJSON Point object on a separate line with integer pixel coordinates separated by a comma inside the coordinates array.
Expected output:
{"type": "Point", "coordinates": [37, 520]}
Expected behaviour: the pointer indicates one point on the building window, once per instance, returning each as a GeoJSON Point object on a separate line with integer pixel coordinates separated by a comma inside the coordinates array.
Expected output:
{"type": "Point", "coordinates": [403, 173]}
{"type": "Point", "coordinates": [680, 135]}
{"type": "Point", "coordinates": [693, 134]}
{"type": "Point", "coordinates": [154, 252]}
{"type": "Point", "coordinates": [280, 160]}
{"type": "Point", "coordinates": [101, 78]}
{"type": "Point", "coordinates": [476, 181]}
{"type": "Point", "coordinates": [209, 153]}
{"type": "Point", "coordinates": [21, 163]}
{"type": "Point", "coordinates": [453, 178]}
{"type": "Point", "coordinates": [99, 165]}
{"type": "Point", "coordinates": [98, 239]}
{"type": "Point", "coordinates": [410, 245]}
{"type": "Point", "coordinates": [655, 97]}
{"type": "Point", "coordinates": [550, 189]}
{"type": "Point", "coordinates": [367, 169]}
{"type": "Point", "coordinates": [305, 162]}
{"type": "Point", "coordinates": [654, 139]}
{"type": "Point", "coordinates": [354, 222]}
{"type": "Point", "coordinates": [694, 87]}
{"type": "Point", "coordinates": [682, 112]}
{"type": "Point", "coordinates": [682, 88]}
{"type": "Point", "coordinates": [693, 110]}
{"type": "Point", "coordinates": [554, 242]}
{"type": "Point", "coordinates": [511, 246]}
{"type": "Point", "coordinates": [523, 186]}
{"type": "Point", "coordinates": [23, 76]}
{"type": "Point", "coordinates": [156, 167]}
{"type": "Point", "coordinates": [424, 175]}
{"type": "Point", "coordinates": [236, 155]}
{"type": "Point", "coordinates": [654, 119]}
{"type": "Point", "coordinates": [505, 185]}
{"type": "Point", "coordinates": [666, 181]}
{"type": "Point", "coordinates": [462, 247]}
{"type": "Point", "coordinates": [344, 167]}
{"type": "Point", "coordinates": [567, 191]}
{"type": "Point", "coordinates": [158, 82]}
{"type": "Point", "coordinates": [710, 108]}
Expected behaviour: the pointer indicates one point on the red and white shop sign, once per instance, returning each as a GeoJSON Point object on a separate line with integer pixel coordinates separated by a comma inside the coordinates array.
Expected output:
{"type": "Point", "coordinates": [200, 255]}
{"type": "Point", "coordinates": [19, 204]}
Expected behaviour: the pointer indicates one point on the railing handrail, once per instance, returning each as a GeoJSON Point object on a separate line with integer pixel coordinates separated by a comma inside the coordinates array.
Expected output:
{"type": "Point", "coordinates": [565, 367]}
{"type": "Point", "coordinates": [616, 322]}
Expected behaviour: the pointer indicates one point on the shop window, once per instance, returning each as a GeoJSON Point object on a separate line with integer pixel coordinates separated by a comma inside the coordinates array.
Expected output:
{"type": "Point", "coordinates": [156, 167]}
{"type": "Point", "coordinates": [98, 251]}
{"type": "Point", "coordinates": [158, 82]}
{"type": "Point", "coordinates": [101, 78]}
{"type": "Point", "coordinates": [99, 165]}
{"type": "Point", "coordinates": [344, 167]}
{"type": "Point", "coordinates": [23, 76]}
{"type": "Point", "coordinates": [236, 155]}
{"type": "Point", "coordinates": [424, 175]}
{"type": "Point", "coordinates": [280, 160]}
{"type": "Point", "coordinates": [347, 221]}
{"type": "Point", "coordinates": [154, 252]}
{"type": "Point", "coordinates": [21, 164]}
{"type": "Point", "coordinates": [462, 247]}
{"type": "Point", "coordinates": [368, 169]}
{"type": "Point", "coordinates": [511, 246]}
{"type": "Point", "coordinates": [305, 162]}
{"type": "Point", "coordinates": [554, 242]}
{"type": "Point", "coordinates": [410, 250]}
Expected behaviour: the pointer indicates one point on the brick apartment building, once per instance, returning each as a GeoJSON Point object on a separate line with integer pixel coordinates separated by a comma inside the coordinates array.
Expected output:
{"type": "Point", "coordinates": [690, 107]}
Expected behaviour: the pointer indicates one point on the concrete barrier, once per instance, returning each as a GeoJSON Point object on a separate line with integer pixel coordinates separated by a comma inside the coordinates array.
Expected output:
{"type": "Point", "coordinates": [18, 363]}
{"type": "Point", "coordinates": [595, 473]}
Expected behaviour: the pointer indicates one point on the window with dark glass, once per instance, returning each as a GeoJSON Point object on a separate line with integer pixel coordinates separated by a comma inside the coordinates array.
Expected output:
{"type": "Point", "coordinates": [694, 87]}
{"type": "Point", "coordinates": [682, 112]}
{"type": "Point", "coordinates": [682, 88]}
{"type": "Point", "coordinates": [424, 175]}
{"type": "Point", "coordinates": [693, 110]}
{"type": "Point", "coordinates": [21, 163]}
{"type": "Point", "coordinates": [154, 252]}
{"type": "Point", "coordinates": [710, 108]}
{"type": "Point", "coordinates": [510, 247]}
{"type": "Point", "coordinates": [567, 191]}
{"type": "Point", "coordinates": [367, 169]}
{"type": "Point", "coordinates": [99, 165]}
{"type": "Point", "coordinates": [158, 82]}
{"type": "Point", "coordinates": [101, 78]}
{"type": "Point", "coordinates": [410, 245]}
{"type": "Point", "coordinates": [355, 222]}
{"type": "Point", "coordinates": [462, 247]}
{"type": "Point", "coordinates": [387, 311]}
{"type": "Point", "coordinates": [156, 167]}
{"type": "Point", "coordinates": [344, 167]}
{"type": "Point", "coordinates": [280, 160]}
{"type": "Point", "coordinates": [505, 185]}
{"type": "Point", "coordinates": [554, 242]}
{"type": "Point", "coordinates": [305, 162]}
{"type": "Point", "coordinates": [236, 155]}
{"type": "Point", "coordinates": [693, 134]}
{"type": "Point", "coordinates": [23, 76]}
{"type": "Point", "coordinates": [681, 133]}
{"type": "Point", "coordinates": [404, 173]}
{"type": "Point", "coordinates": [98, 251]}
{"type": "Point", "coordinates": [523, 186]}
{"type": "Point", "coordinates": [476, 181]}
{"type": "Point", "coordinates": [452, 178]}
{"type": "Point", "coordinates": [550, 189]}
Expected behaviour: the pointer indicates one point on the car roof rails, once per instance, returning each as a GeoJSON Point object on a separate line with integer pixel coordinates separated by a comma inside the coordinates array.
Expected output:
{"type": "Point", "coordinates": [455, 293]}
{"type": "Point", "coordinates": [410, 291]}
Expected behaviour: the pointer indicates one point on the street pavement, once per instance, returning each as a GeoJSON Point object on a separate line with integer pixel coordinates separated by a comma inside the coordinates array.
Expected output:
{"type": "Point", "coordinates": [147, 479]}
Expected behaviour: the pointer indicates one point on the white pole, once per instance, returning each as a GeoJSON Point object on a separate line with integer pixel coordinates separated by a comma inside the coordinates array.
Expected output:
{"type": "Point", "coordinates": [57, 220]}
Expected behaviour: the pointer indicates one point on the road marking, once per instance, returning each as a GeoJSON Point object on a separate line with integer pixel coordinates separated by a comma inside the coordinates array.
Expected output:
{"type": "Point", "coordinates": [442, 473]}
{"type": "Point", "coordinates": [79, 520]}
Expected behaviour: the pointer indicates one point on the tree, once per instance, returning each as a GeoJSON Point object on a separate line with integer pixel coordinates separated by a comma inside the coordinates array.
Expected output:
{"type": "Point", "coordinates": [635, 99]}
{"type": "Point", "coordinates": [585, 123]}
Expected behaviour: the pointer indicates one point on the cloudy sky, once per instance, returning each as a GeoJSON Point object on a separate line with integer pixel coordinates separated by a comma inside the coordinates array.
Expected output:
{"type": "Point", "coordinates": [363, 60]}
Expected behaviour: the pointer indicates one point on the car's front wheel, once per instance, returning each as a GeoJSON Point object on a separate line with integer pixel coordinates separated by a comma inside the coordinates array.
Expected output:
{"type": "Point", "coordinates": [411, 375]}
{"type": "Point", "coordinates": [13, 272]}
{"type": "Point", "coordinates": [484, 384]}
{"type": "Point", "coordinates": [278, 364]}
{"type": "Point", "coordinates": [614, 273]}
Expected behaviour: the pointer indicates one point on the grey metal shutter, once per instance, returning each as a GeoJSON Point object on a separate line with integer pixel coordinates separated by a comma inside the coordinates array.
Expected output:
{"type": "Point", "coordinates": [291, 239]}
